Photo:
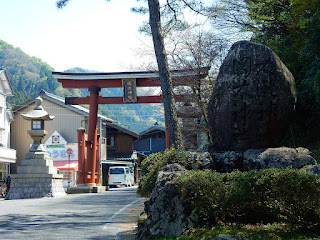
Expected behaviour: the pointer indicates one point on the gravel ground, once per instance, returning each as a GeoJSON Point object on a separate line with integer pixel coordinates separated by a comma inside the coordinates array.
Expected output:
{"type": "Point", "coordinates": [129, 227]}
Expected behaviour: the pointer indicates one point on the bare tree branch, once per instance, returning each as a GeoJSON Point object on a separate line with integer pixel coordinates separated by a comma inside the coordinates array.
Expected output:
{"type": "Point", "coordinates": [62, 3]}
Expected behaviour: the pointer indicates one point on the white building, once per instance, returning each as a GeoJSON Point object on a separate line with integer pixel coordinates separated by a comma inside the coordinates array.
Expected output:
{"type": "Point", "coordinates": [7, 155]}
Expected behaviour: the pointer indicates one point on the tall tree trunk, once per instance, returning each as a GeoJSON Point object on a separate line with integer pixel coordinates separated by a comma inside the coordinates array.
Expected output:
{"type": "Point", "coordinates": [175, 135]}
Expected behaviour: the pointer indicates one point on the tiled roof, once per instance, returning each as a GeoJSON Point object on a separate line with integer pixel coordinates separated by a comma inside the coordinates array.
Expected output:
{"type": "Point", "coordinates": [61, 100]}
{"type": "Point", "coordinates": [153, 129]}
{"type": "Point", "coordinates": [119, 156]}
{"type": "Point", "coordinates": [121, 129]}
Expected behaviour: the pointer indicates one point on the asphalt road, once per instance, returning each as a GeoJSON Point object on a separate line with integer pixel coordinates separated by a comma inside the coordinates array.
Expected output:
{"type": "Point", "coordinates": [80, 216]}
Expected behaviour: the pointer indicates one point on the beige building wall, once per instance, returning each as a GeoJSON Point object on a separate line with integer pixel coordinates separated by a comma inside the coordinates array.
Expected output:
{"type": "Point", "coordinates": [66, 122]}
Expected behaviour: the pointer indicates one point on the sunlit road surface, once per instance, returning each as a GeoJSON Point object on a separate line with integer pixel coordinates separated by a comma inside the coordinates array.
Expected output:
{"type": "Point", "coordinates": [80, 216]}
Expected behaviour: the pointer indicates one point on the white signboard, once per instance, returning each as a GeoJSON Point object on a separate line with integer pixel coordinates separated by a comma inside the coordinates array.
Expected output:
{"type": "Point", "coordinates": [57, 147]}
{"type": "Point", "coordinates": [58, 152]}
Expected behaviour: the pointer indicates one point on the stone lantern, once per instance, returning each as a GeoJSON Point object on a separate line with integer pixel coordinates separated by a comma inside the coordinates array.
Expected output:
{"type": "Point", "coordinates": [36, 176]}
{"type": "Point", "coordinates": [37, 116]}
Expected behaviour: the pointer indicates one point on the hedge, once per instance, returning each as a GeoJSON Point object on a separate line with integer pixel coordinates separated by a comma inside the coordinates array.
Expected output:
{"type": "Point", "coordinates": [265, 196]}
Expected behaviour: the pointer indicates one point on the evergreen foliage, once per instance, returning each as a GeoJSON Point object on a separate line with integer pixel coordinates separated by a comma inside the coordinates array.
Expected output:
{"type": "Point", "coordinates": [273, 231]}
{"type": "Point", "coordinates": [272, 195]}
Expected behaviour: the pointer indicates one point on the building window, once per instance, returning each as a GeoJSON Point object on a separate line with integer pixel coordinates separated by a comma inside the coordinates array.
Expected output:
{"type": "Point", "coordinates": [110, 142]}
{"type": "Point", "coordinates": [36, 125]}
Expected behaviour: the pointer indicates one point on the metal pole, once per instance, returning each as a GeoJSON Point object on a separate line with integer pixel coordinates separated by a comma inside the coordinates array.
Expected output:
{"type": "Point", "coordinates": [69, 171]}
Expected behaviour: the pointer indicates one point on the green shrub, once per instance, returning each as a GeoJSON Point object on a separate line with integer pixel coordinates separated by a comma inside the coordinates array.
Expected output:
{"type": "Point", "coordinates": [259, 231]}
{"type": "Point", "coordinates": [205, 190]}
{"type": "Point", "coordinates": [296, 195]}
{"type": "Point", "coordinates": [264, 196]}
{"type": "Point", "coordinates": [151, 165]}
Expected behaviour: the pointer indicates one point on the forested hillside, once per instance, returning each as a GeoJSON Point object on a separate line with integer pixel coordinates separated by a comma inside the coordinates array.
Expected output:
{"type": "Point", "coordinates": [29, 75]}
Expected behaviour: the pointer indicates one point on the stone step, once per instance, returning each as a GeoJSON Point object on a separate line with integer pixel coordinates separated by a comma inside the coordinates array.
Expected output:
{"type": "Point", "coordinates": [31, 169]}
{"type": "Point", "coordinates": [37, 162]}
{"type": "Point", "coordinates": [37, 155]}
{"type": "Point", "coordinates": [36, 176]}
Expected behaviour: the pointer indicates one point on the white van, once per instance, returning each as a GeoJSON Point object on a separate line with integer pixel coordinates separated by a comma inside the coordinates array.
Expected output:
{"type": "Point", "coordinates": [119, 176]}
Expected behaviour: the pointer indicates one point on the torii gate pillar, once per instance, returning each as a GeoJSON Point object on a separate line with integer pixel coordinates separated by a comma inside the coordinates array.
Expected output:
{"type": "Point", "coordinates": [92, 136]}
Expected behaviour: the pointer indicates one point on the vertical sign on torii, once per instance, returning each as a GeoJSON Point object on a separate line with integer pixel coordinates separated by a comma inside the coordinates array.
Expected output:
{"type": "Point", "coordinates": [128, 81]}
{"type": "Point", "coordinates": [129, 90]}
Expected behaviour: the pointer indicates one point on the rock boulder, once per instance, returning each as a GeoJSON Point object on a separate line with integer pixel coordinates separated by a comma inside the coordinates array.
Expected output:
{"type": "Point", "coordinates": [255, 159]}
{"type": "Point", "coordinates": [166, 208]}
{"type": "Point", "coordinates": [253, 99]}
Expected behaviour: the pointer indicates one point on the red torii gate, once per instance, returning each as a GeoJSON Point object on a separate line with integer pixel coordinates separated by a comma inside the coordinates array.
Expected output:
{"type": "Point", "coordinates": [129, 81]}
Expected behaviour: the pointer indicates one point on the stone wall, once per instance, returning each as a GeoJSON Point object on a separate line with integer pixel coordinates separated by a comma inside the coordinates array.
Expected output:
{"type": "Point", "coordinates": [35, 186]}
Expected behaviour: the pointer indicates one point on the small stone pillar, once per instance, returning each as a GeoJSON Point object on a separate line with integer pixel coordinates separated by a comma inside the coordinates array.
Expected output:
{"type": "Point", "coordinates": [81, 156]}
{"type": "Point", "coordinates": [36, 176]}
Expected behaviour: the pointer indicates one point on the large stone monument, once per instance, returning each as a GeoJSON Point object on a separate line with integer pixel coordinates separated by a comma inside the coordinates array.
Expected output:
{"type": "Point", "coordinates": [36, 176]}
{"type": "Point", "coordinates": [253, 99]}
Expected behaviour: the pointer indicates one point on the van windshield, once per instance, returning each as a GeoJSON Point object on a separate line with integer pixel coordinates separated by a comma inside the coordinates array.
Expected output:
{"type": "Point", "coordinates": [116, 171]}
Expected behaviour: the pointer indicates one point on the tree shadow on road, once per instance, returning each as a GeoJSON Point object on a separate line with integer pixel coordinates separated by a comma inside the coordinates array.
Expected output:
{"type": "Point", "coordinates": [61, 226]}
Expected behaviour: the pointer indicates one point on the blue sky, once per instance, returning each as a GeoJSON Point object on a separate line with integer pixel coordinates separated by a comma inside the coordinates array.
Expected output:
{"type": "Point", "coordinates": [96, 34]}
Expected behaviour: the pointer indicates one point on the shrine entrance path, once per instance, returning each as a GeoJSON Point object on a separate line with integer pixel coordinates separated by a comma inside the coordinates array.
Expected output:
{"type": "Point", "coordinates": [105, 215]}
